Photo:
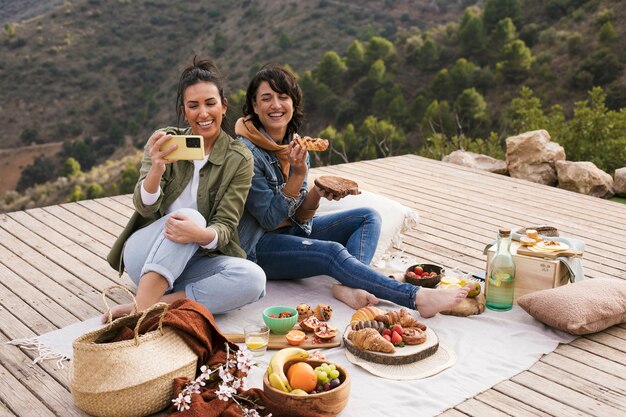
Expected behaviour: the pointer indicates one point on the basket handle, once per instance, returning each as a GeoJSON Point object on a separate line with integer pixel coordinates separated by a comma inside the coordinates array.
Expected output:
{"type": "Point", "coordinates": [164, 306]}
{"type": "Point", "coordinates": [106, 304]}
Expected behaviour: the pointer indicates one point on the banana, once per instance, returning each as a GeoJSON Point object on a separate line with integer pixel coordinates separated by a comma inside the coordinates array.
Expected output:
{"type": "Point", "coordinates": [275, 371]}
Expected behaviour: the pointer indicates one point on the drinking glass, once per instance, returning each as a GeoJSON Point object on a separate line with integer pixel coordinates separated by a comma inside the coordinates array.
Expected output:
{"type": "Point", "coordinates": [256, 337]}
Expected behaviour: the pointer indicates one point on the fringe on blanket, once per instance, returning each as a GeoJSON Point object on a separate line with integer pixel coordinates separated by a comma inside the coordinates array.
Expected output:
{"type": "Point", "coordinates": [43, 351]}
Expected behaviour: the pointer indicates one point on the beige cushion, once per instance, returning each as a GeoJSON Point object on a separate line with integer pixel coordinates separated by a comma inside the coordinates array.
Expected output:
{"type": "Point", "coordinates": [584, 307]}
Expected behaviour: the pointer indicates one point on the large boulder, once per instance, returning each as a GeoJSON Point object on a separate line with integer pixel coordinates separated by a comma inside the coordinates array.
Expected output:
{"type": "Point", "coordinates": [585, 178]}
{"type": "Point", "coordinates": [475, 160]}
{"type": "Point", "coordinates": [531, 156]}
{"type": "Point", "coordinates": [620, 182]}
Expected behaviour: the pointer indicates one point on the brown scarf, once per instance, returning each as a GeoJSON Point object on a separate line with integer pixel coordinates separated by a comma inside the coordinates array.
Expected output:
{"type": "Point", "coordinates": [244, 127]}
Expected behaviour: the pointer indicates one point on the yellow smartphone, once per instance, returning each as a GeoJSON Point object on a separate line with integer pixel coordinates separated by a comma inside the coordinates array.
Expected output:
{"type": "Point", "coordinates": [189, 147]}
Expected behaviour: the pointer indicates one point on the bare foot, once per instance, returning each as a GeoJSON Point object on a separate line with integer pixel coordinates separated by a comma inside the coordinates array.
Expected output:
{"type": "Point", "coordinates": [117, 311]}
{"type": "Point", "coordinates": [430, 301]}
{"type": "Point", "coordinates": [354, 297]}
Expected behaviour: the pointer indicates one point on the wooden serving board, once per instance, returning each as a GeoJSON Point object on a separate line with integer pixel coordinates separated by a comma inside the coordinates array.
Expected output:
{"type": "Point", "coordinates": [402, 355]}
{"type": "Point", "coordinates": [548, 255]}
{"type": "Point", "coordinates": [279, 341]}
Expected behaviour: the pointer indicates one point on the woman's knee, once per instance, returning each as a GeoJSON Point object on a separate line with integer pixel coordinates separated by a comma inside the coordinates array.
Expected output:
{"type": "Point", "coordinates": [194, 215]}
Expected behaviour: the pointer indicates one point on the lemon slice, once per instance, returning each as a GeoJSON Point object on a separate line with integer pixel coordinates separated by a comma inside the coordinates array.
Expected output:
{"type": "Point", "coordinates": [449, 280]}
{"type": "Point", "coordinates": [450, 286]}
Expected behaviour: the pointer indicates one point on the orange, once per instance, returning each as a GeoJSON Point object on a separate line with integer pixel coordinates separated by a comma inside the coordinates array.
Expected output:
{"type": "Point", "coordinates": [302, 376]}
{"type": "Point", "coordinates": [295, 337]}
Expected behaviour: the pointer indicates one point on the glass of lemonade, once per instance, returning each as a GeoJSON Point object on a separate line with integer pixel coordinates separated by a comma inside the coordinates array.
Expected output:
{"type": "Point", "coordinates": [256, 337]}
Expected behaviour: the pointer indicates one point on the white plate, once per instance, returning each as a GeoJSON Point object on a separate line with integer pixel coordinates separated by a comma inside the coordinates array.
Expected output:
{"type": "Point", "coordinates": [558, 246]}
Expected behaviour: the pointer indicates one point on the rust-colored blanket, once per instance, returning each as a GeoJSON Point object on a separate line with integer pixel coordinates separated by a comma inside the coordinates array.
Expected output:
{"type": "Point", "coordinates": [196, 326]}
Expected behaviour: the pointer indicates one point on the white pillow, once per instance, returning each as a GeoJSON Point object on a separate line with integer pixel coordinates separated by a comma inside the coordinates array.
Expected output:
{"type": "Point", "coordinates": [396, 218]}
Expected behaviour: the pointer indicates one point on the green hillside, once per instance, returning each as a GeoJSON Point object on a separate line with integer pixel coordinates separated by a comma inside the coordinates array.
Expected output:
{"type": "Point", "coordinates": [379, 77]}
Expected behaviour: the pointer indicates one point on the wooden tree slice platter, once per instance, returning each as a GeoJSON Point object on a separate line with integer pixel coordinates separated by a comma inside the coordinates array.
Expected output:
{"type": "Point", "coordinates": [402, 355]}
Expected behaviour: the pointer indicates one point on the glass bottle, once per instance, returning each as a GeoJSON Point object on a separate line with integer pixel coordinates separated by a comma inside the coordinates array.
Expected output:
{"type": "Point", "coordinates": [501, 279]}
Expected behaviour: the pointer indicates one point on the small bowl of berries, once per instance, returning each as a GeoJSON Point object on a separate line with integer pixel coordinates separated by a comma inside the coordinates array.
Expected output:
{"type": "Point", "coordinates": [280, 319]}
{"type": "Point", "coordinates": [424, 275]}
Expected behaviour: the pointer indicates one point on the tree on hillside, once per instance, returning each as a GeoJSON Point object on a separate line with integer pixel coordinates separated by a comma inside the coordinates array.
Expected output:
{"type": "Point", "coordinates": [71, 167]}
{"type": "Point", "coordinates": [472, 34]}
{"type": "Point", "coordinates": [379, 139]}
{"type": "Point", "coordinates": [471, 109]}
{"type": "Point", "coordinates": [331, 70]}
{"type": "Point", "coordinates": [429, 55]}
{"type": "Point", "coordinates": [30, 135]}
{"type": "Point", "coordinates": [463, 75]}
{"type": "Point", "coordinates": [607, 34]}
{"type": "Point", "coordinates": [515, 62]}
{"type": "Point", "coordinates": [41, 170]}
{"type": "Point", "coordinates": [503, 34]}
{"type": "Point", "coordinates": [439, 118]}
{"type": "Point", "coordinates": [496, 10]}
{"type": "Point", "coordinates": [441, 87]}
{"type": "Point", "coordinates": [355, 59]}
{"type": "Point", "coordinates": [379, 49]}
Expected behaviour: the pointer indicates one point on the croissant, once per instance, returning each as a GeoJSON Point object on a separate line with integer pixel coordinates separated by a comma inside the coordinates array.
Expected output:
{"type": "Point", "coordinates": [370, 339]}
{"type": "Point", "coordinates": [376, 325]}
{"type": "Point", "coordinates": [401, 317]}
{"type": "Point", "coordinates": [365, 313]}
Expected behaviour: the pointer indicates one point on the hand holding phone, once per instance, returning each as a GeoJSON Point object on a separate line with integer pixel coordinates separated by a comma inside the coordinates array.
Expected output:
{"type": "Point", "coordinates": [189, 147]}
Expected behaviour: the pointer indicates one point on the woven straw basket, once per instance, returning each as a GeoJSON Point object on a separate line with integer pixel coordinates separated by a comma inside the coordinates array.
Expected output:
{"type": "Point", "coordinates": [131, 378]}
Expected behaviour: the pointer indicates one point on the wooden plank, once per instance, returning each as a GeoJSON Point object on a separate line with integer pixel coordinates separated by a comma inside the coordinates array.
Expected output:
{"type": "Point", "coordinates": [452, 413]}
{"type": "Point", "coordinates": [94, 218]}
{"type": "Point", "coordinates": [91, 268]}
{"type": "Point", "coordinates": [105, 212]}
{"type": "Point", "coordinates": [599, 392]}
{"type": "Point", "coordinates": [565, 395]}
{"type": "Point", "coordinates": [4, 410]}
{"type": "Point", "coordinates": [48, 391]}
{"type": "Point", "coordinates": [114, 204]}
{"type": "Point", "coordinates": [582, 370]}
{"type": "Point", "coordinates": [476, 408]}
{"type": "Point", "coordinates": [609, 340]}
{"type": "Point", "coordinates": [49, 278]}
{"type": "Point", "coordinates": [617, 331]}
{"type": "Point", "coordinates": [600, 349]}
{"type": "Point", "coordinates": [105, 237]}
{"type": "Point", "coordinates": [536, 399]}
{"type": "Point", "coordinates": [19, 399]}
{"type": "Point", "coordinates": [509, 405]}
{"type": "Point", "coordinates": [607, 366]}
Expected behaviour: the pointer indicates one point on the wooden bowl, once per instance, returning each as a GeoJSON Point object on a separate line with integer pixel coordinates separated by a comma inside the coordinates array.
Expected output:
{"type": "Point", "coordinates": [430, 282]}
{"type": "Point", "coordinates": [329, 403]}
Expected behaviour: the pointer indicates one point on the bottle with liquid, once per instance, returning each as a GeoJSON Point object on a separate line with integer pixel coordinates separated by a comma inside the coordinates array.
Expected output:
{"type": "Point", "coordinates": [501, 280]}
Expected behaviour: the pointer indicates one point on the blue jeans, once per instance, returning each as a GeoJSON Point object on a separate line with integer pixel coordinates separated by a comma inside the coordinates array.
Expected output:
{"type": "Point", "coordinates": [341, 245]}
{"type": "Point", "coordinates": [220, 282]}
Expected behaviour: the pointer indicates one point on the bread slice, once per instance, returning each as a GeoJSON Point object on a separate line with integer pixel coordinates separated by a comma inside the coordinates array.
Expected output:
{"type": "Point", "coordinates": [337, 186]}
{"type": "Point", "coordinates": [313, 144]}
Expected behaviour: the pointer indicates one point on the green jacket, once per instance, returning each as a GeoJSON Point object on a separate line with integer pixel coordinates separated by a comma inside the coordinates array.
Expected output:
{"type": "Point", "coordinates": [224, 185]}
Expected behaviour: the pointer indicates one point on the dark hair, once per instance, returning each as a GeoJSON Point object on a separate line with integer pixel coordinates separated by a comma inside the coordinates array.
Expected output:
{"type": "Point", "coordinates": [201, 70]}
{"type": "Point", "coordinates": [282, 81]}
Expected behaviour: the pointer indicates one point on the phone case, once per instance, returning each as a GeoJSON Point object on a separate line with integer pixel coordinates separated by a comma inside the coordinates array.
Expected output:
{"type": "Point", "coordinates": [184, 152]}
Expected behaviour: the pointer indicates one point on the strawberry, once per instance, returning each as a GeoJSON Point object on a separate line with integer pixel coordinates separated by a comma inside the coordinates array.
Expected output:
{"type": "Point", "coordinates": [388, 338]}
{"type": "Point", "coordinates": [386, 332]}
{"type": "Point", "coordinates": [396, 339]}
{"type": "Point", "coordinates": [398, 329]}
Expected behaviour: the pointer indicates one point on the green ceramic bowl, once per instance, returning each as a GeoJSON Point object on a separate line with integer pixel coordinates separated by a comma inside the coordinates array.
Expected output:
{"type": "Point", "coordinates": [280, 325]}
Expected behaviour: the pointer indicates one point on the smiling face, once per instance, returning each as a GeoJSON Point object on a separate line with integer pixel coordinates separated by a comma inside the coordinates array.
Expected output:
{"type": "Point", "coordinates": [274, 110]}
{"type": "Point", "coordinates": [203, 110]}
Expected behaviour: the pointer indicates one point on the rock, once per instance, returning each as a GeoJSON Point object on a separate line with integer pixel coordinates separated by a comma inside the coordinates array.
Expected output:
{"type": "Point", "coordinates": [477, 161]}
{"type": "Point", "coordinates": [585, 178]}
{"type": "Point", "coordinates": [620, 182]}
{"type": "Point", "coordinates": [531, 156]}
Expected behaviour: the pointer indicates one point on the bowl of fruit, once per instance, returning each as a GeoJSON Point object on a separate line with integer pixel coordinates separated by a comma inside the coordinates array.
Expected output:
{"type": "Point", "coordinates": [424, 275]}
{"type": "Point", "coordinates": [280, 319]}
{"type": "Point", "coordinates": [295, 381]}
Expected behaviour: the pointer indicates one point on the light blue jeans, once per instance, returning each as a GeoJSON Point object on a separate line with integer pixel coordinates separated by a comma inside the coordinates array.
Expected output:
{"type": "Point", "coordinates": [220, 283]}
{"type": "Point", "coordinates": [341, 245]}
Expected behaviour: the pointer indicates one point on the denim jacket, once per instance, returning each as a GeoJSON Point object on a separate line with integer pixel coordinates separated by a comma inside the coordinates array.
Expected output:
{"type": "Point", "coordinates": [267, 205]}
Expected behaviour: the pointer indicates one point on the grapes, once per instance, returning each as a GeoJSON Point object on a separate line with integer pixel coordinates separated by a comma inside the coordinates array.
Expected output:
{"type": "Point", "coordinates": [327, 377]}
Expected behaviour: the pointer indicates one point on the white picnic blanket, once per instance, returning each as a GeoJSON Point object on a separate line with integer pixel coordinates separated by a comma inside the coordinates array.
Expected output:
{"type": "Point", "coordinates": [491, 348]}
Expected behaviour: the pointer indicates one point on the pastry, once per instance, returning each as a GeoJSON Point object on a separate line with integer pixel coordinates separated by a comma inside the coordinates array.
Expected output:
{"type": "Point", "coordinates": [366, 313]}
{"type": "Point", "coordinates": [527, 241]}
{"type": "Point", "coordinates": [337, 186]}
{"type": "Point", "coordinates": [401, 317]}
{"type": "Point", "coordinates": [413, 336]}
{"type": "Point", "coordinates": [532, 234]}
{"type": "Point", "coordinates": [370, 339]}
{"type": "Point", "coordinates": [323, 312]}
{"type": "Point", "coordinates": [304, 311]}
{"type": "Point", "coordinates": [313, 144]}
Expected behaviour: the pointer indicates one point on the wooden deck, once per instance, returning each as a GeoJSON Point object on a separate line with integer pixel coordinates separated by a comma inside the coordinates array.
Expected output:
{"type": "Point", "coordinates": [53, 269]}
